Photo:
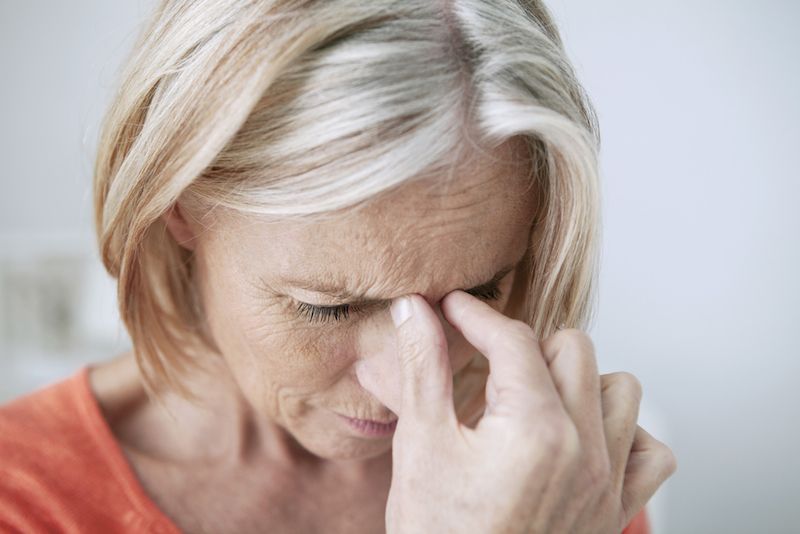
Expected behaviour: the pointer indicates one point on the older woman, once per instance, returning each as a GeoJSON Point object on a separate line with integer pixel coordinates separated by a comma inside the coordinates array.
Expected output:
{"type": "Point", "coordinates": [355, 244]}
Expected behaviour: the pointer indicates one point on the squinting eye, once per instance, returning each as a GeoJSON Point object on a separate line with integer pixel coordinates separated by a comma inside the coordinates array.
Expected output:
{"type": "Point", "coordinates": [321, 314]}
{"type": "Point", "coordinates": [491, 293]}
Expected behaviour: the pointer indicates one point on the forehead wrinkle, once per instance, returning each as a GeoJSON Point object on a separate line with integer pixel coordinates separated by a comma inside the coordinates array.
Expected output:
{"type": "Point", "coordinates": [385, 229]}
{"type": "Point", "coordinates": [392, 272]}
{"type": "Point", "coordinates": [355, 294]}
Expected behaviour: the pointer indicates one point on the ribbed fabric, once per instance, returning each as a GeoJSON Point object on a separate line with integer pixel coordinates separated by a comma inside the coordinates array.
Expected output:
{"type": "Point", "coordinates": [62, 470]}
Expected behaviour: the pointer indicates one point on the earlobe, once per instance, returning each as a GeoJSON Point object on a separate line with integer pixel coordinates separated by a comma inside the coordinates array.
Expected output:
{"type": "Point", "coordinates": [179, 227]}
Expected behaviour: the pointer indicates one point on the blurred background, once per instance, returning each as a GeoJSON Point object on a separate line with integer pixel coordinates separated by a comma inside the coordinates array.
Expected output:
{"type": "Point", "coordinates": [699, 107]}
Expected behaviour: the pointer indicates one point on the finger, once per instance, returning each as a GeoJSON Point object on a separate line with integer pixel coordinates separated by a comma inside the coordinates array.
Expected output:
{"type": "Point", "coordinates": [427, 377]}
{"type": "Point", "coordinates": [622, 395]}
{"type": "Point", "coordinates": [571, 359]}
{"type": "Point", "coordinates": [650, 463]}
{"type": "Point", "coordinates": [517, 368]}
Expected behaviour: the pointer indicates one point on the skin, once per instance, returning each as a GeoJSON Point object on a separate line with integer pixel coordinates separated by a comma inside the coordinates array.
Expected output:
{"type": "Point", "coordinates": [266, 446]}
{"type": "Point", "coordinates": [557, 449]}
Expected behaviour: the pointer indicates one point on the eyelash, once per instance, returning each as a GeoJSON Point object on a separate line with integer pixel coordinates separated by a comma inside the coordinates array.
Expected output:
{"type": "Point", "coordinates": [321, 314]}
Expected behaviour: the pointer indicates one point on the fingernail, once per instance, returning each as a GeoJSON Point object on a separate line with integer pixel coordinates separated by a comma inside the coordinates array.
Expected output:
{"type": "Point", "coordinates": [401, 310]}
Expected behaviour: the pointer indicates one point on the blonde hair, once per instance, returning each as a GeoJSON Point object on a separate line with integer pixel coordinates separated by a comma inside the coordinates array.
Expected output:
{"type": "Point", "coordinates": [299, 108]}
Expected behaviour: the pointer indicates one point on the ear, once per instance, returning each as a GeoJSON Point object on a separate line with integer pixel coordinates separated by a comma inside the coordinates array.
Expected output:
{"type": "Point", "coordinates": [181, 228]}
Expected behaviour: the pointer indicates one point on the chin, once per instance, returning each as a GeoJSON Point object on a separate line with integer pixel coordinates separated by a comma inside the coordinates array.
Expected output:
{"type": "Point", "coordinates": [336, 442]}
{"type": "Point", "coordinates": [338, 447]}
{"type": "Point", "coordinates": [373, 450]}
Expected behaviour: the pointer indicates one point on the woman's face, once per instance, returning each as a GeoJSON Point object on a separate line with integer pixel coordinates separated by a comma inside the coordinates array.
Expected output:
{"type": "Point", "coordinates": [261, 284]}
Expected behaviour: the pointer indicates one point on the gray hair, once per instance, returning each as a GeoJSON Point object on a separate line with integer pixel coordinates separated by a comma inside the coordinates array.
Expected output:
{"type": "Point", "coordinates": [300, 108]}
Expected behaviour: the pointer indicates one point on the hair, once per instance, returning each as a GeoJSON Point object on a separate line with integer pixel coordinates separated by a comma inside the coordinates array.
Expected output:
{"type": "Point", "coordinates": [300, 108]}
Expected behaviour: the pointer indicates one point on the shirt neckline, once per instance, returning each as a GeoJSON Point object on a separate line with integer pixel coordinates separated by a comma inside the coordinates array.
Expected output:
{"type": "Point", "coordinates": [111, 452]}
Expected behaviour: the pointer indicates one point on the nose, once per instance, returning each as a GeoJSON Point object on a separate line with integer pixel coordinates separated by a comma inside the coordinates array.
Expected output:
{"type": "Point", "coordinates": [377, 366]}
{"type": "Point", "coordinates": [379, 374]}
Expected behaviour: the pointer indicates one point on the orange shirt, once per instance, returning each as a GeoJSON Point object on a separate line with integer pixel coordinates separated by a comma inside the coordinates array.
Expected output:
{"type": "Point", "coordinates": [62, 470]}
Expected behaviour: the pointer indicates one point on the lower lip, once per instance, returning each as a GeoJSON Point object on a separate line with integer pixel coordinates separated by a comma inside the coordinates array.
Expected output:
{"type": "Point", "coordinates": [370, 428]}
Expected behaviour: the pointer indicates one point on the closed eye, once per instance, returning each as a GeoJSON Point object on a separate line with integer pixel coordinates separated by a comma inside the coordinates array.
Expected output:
{"type": "Point", "coordinates": [321, 314]}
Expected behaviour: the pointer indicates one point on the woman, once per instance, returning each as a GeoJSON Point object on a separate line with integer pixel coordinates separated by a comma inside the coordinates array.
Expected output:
{"type": "Point", "coordinates": [355, 245]}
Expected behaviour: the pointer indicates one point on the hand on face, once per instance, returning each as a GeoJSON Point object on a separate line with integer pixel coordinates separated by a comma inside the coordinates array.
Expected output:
{"type": "Point", "coordinates": [558, 448]}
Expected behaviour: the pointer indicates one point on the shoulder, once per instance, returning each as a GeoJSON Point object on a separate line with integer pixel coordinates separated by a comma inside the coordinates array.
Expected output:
{"type": "Point", "coordinates": [38, 434]}
{"type": "Point", "coordinates": [54, 462]}
{"type": "Point", "coordinates": [38, 428]}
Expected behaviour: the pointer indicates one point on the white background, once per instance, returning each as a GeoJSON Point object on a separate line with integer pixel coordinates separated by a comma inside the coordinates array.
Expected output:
{"type": "Point", "coordinates": [700, 120]}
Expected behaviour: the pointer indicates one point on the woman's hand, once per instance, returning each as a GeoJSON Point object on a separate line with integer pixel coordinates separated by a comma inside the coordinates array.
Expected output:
{"type": "Point", "coordinates": [557, 450]}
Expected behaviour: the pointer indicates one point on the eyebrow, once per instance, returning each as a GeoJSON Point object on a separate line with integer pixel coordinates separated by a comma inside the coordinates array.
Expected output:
{"type": "Point", "coordinates": [346, 297]}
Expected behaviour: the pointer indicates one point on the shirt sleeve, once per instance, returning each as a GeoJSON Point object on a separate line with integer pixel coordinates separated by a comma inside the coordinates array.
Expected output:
{"type": "Point", "coordinates": [639, 525]}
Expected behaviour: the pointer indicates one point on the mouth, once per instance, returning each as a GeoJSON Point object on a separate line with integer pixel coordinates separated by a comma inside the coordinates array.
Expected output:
{"type": "Point", "coordinates": [369, 427]}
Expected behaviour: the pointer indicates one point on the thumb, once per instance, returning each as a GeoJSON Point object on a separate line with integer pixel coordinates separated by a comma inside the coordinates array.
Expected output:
{"type": "Point", "coordinates": [426, 376]}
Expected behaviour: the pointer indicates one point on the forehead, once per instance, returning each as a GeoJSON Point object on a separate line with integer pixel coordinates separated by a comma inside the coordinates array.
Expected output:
{"type": "Point", "coordinates": [432, 234]}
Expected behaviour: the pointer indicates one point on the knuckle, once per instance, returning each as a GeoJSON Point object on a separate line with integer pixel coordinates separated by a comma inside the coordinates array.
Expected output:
{"type": "Point", "coordinates": [668, 461]}
{"type": "Point", "coordinates": [412, 347]}
{"type": "Point", "coordinates": [559, 437]}
{"type": "Point", "coordinates": [520, 330]}
{"type": "Point", "coordinates": [599, 472]}
{"type": "Point", "coordinates": [576, 338]}
{"type": "Point", "coordinates": [632, 384]}
{"type": "Point", "coordinates": [414, 357]}
{"type": "Point", "coordinates": [514, 333]}
{"type": "Point", "coordinates": [570, 339]}
{"type": "Point", "coordinates": [625, 382]}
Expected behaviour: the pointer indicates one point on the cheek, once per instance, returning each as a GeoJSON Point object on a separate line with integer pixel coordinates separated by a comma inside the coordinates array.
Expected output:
{"type": "Point", "coordinates": [289, 353]}
{"type": "Point", "coordinates": [277, 359]}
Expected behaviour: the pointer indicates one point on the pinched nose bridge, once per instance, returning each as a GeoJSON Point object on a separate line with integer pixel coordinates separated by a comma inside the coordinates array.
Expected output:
{"type": "Point", "coordinates": [378, 370]}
